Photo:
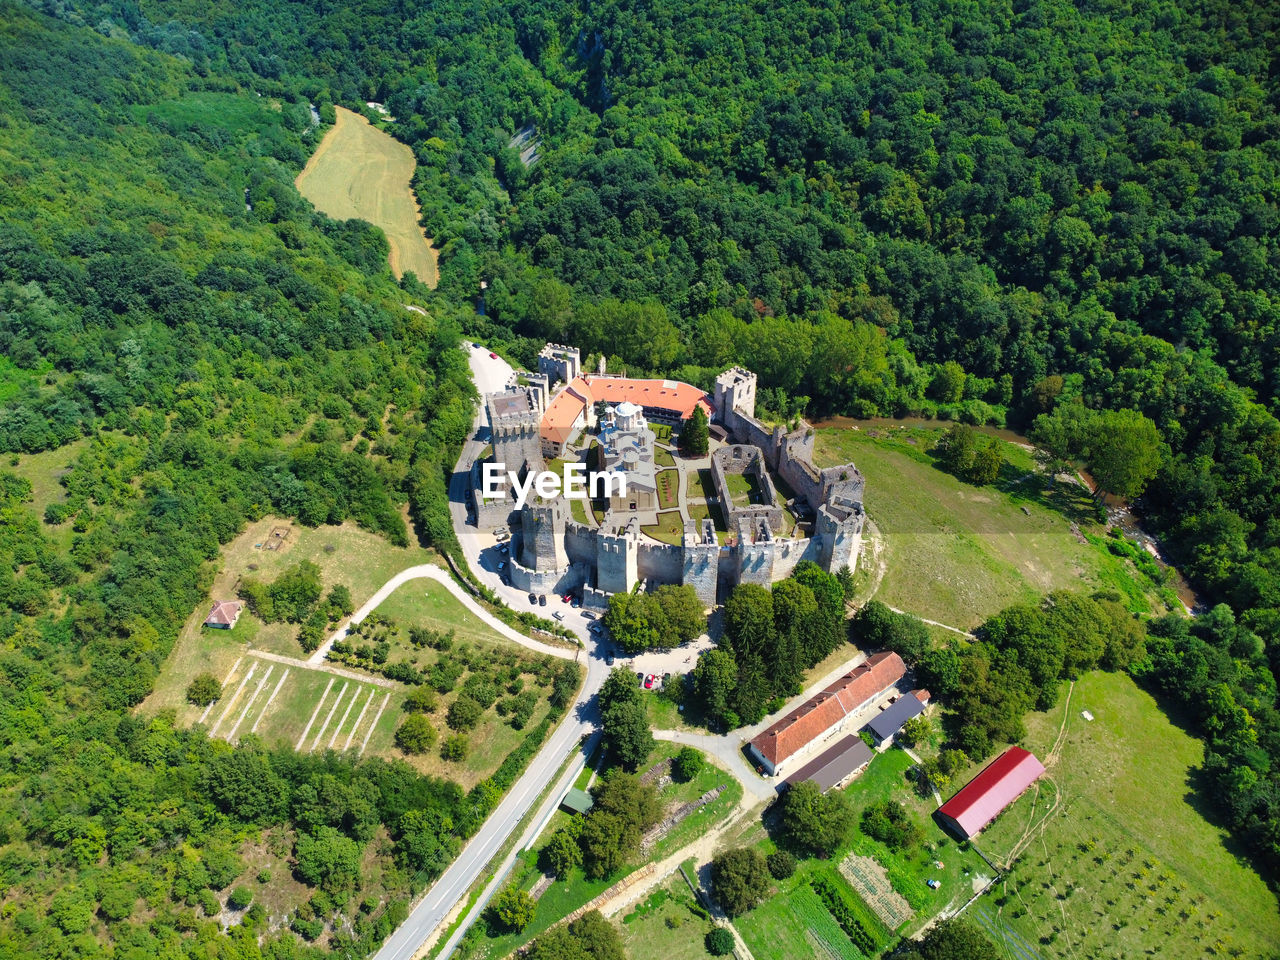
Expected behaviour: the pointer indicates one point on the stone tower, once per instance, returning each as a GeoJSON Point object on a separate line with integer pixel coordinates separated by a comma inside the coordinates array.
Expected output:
{"type": "Point", "coordinates": [701, 560]}
{"type": "Point", "coordinates": [617, 556]}
{"type": "Point", "coordinates": [735, 390]}
{"type": "Point", "coordinates": [542, 546]}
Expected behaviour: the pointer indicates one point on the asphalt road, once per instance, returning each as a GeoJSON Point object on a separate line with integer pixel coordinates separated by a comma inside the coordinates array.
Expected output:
{"type": "Point", "coordinates": [453, 885]}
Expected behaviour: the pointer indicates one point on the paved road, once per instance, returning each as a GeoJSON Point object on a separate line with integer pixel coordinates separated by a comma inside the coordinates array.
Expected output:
{"type": "Point", "coordinates": [454, 884]}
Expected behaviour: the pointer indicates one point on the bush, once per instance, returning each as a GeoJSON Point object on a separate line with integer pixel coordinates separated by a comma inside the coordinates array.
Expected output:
{"type": "Point", "coordinates": [204, 689]}
{"type": "Point", "coordinates": [719, 942]}
{"type": "Point", "coordinates": [512, 909]}
{"type": "Point", "coordinates": [739, 879]}
{"type": "Point", "coordinates": [464, 714]}
{"type": "Point", "coordinates": [688, 763]}
{"type": "Point", "coordinates": [416, 735]}
{"type": "Point", "coordinates": [307, 929]}
{"type": "Point", "coordinates": [209, 902]}
{"type": "Point", "coordinates": [782, 864]}
{"type": "Point", "coordinates": [455, 747]}
{"type": "Point", "coordinates": [889, 822]}
{"type": "Point", "coordinates": [421, 700]}
{"type": "Point", "coordinates": [240, 898]}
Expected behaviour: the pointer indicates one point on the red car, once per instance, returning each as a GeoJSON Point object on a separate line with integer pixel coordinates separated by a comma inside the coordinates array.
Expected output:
{"type": "Point", "coordinates": [493, 356]}
{"type": "Point", "coordinates": [648, 681]}
{"type": "Point", "coordinates": [566, 598]}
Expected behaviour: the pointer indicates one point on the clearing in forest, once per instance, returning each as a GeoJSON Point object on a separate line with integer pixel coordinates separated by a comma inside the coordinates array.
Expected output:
{"type": "Point", "coordinates": [360, 172]}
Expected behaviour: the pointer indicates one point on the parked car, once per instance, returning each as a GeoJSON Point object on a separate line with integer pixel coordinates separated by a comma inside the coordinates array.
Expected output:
{"type": "Point", "coordinates": [558, 615]}
{"type": "Point", "coordinates": [588, 614]}
{"type": "Point", "coordinates": [933, 884]}
{"type": "Point", "coordinates": [566, 598]}
{"type": "Point", "coordinates": [542, 600]}
{"type": "Point", "coordinates": [493, 356]}
{"type": "Point", "coordinates": [502, 564]}
{"type": "Point", "coordinates": [533, 598]}
{"type": "Point", "coordinates": [666, 677]}
{"type": "Point", "coordinates": [639, 676]}
{"type": "Point", "coordinates": [594, 628]}
{"type": "Point", "coordinates": [575, 604]}
{"type": "Point", "coordinates": [648, 681]}
{"type": "Point", "coordinates": [609, 660]}
{"type": "Point", "coordinates": [504, 550]}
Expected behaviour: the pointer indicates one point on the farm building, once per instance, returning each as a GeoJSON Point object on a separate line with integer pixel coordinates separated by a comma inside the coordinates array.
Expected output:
{"type": "Point", "coordinates": [825, 712]}
{"type": "Point", "coordinates": [986, 795]}
{"type": "Point", "coordinates": [836, 766]}
{"type": "Point", "coordinates": [889, 721]}
{"type": "Point", "coordinates": [224, 615]}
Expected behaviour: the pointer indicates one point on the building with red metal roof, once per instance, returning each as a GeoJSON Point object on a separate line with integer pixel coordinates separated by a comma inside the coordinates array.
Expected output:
{"type": "Point", "coordinates": [983, 798]}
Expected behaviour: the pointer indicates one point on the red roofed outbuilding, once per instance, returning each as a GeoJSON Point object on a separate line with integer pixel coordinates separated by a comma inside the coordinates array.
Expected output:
{"type": "Point", "coordinates": [823, 712]}
{"type": "Point", "coordinates": [224, 614]}
{"type": "Point", "coordinates": [983, 798]}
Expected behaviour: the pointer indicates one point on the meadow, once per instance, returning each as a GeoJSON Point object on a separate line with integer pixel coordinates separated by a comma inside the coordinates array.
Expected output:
{"type": "Point", "coordinates": [361, 172]}
{"type": "Point", "coordinates": [1112, 860]}
{"type": "Point", "coordinates": [956, 553]}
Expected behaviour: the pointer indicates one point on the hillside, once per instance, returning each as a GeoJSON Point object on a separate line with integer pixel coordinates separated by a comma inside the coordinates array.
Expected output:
{"type": "Point", "coordinates": [196, 348]}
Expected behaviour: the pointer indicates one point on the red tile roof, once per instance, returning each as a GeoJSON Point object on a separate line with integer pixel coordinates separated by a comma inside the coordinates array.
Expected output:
{"type": "Point", "coordinates": [820, 713]}
{"type": "Point", "coordinates": [570, 403]}
{"type": "Point", "coordinates": [998, 785]}
{"type": "Point", "coordinates": [224, 612]}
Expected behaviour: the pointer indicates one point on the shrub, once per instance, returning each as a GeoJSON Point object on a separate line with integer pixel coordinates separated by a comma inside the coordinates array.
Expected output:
{"type": "Point", "coordinates": [782, 864]}
{"type": "Point", "coordinates": [416, 735]}
{"type": "Point", "coordinates": [719, 942]}
{"type": "Point", "coordinates": [204, 689]}
{"type": "Point", "coordinates": [688, 763]}
{"type": "Point", "coordinates": [209, 902]}
{"type": "Point", "coordinates": [421, 700]}
{"type": "Point", "coordinates": [240, 898]}
{"type": "Point", "coordinates": [464, 714]}
{"type": "Point", "coordinates": [455, 747]}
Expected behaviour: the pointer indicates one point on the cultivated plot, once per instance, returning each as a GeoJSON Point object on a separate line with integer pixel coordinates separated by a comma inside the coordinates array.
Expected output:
{"type": "Point", "coordinates": [309, 709]}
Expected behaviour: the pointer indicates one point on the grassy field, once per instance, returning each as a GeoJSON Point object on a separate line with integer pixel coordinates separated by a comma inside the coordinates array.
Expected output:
{"type": "Point", "coordinates": [360, 172]}
{"type": "Point", "coordinates": [280, 702]}
{"type": "Point", "coordinates": [346, 554]}
{"type": "Point", "coordinates": [958, 553]}
{"type": "Point", "coordinates": [663, 458]}
{"type": "Point", "coordinates": [1117, 862]}
{"type": "Point", "coordinates": [668, 925]}
{"type": "Point", "coordinates": [699, 484]}
{"type": "Point", "coordinates": [668, 529]}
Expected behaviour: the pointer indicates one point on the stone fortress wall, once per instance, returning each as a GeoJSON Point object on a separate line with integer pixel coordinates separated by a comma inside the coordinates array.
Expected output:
{"type": "Point", "coordinates": [557, 554]}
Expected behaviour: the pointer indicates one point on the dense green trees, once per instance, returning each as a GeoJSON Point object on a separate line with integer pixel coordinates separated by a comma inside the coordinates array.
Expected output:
{"type": "Point", "coordinates": [667, 617]}
{"type": "Point", "coordinates": [952, 939]}
{"type": "Point", "coordinates": [590, 937]}
{"type": "Point", "coordinates": [814, 823]}
{"type": "Point", "coordinates": [624, 809]}
{"type": "Point", "coordinates": [739, 879]}
{"type": "Point", "coordinates": [625, 720]}
{"type": "Point", "coordinates": [770, 638]}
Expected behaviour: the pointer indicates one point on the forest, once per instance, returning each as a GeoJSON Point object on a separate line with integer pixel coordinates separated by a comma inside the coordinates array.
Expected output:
{"type": "Point", "coordinates": [1063, 217]}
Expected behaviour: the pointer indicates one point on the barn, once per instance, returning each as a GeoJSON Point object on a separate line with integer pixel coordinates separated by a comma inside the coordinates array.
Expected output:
{"type": "Point", "coordinates": [986, 795]}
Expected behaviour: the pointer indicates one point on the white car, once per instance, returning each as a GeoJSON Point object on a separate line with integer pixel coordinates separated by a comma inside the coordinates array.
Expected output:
{"type": "Point", "coordinates": [558, 615]}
